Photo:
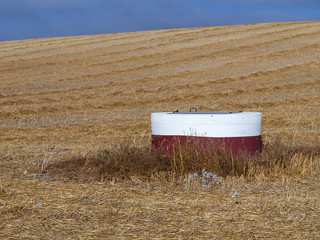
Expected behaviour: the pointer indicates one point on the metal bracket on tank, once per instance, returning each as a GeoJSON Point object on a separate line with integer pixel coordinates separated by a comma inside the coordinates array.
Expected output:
{"type": "Point", "coordinates": [193, 108]}
{"type": "Point", "coordinates": [236, 112]}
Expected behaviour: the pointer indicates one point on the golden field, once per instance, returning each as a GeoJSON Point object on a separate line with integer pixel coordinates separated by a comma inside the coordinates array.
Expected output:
{"type": "Point", "coordinates": [73, 96]}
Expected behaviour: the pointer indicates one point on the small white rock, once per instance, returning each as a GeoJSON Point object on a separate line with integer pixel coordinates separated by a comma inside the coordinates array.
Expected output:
{"type": "Point", "coordinates": [236, 194]}
{"type": "Point", "coordinates": [207, 214]}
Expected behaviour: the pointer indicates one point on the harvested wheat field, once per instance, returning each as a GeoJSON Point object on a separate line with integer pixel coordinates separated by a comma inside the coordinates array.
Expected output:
{"type": "Point", "coordinates": [72, 106]}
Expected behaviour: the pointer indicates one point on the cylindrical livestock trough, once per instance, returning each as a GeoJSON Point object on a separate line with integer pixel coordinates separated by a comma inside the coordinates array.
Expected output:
{"type": "Point", "coordinates": [235, 132]}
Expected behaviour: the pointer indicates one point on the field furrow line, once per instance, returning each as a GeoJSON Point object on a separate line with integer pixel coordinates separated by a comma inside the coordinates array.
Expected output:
{"type": "Point", "coordinates": [141, 45]}
{"type": "Point", "coordinates": [36, 43]}
{"type": "Point", "coordinates": [218, 69]}
{"type": "Point", "coordinates": [198, 52]}
{"type": "Point", "coordinates": [106, 39]}
{"type": "Point", "coordinates": [181, 90]}
{"type": "Point", "coordinates": [82, 40]}
{"type": "Point", "coordinates": [144, 71]}
{"type": "Point", "coordinates": [217, 100]}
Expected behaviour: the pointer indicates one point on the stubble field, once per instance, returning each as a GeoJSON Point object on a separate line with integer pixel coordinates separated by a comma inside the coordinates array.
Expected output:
{"type": "Point", "coordinates": [73, 96]}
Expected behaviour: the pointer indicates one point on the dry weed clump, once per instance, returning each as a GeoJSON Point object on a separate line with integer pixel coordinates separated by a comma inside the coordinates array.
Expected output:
{"type": "Point", "coordinates": [122, 161]}
{"type": "Point", "coordinates": [127, 160]}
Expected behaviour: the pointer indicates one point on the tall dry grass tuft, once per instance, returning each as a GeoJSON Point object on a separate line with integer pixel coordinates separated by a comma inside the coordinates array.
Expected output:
{"type": "Point", "coordinates": [127, 160]}
{"type": "Point", "coordinates": [122, 161]}
{"type": "Point", "coordinates": [279, 158]}
{"type": "Point", "coordinates": [276, 159]}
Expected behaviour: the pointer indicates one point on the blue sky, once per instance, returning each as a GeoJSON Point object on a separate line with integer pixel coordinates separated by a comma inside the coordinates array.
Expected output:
{"type": "Point", "coordinates": [24, 19]}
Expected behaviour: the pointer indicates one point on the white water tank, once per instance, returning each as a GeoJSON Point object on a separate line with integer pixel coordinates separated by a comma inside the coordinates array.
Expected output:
{"type": "Point", "coordinates": [237, 132]}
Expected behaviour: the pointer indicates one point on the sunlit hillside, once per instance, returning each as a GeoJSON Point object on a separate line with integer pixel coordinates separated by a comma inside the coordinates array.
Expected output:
{"type": "Point", "coordinates": [61, 97]}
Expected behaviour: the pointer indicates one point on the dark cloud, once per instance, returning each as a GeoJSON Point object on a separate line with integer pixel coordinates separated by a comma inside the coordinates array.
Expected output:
{"type": "Point", "coordinates": [21, 19]}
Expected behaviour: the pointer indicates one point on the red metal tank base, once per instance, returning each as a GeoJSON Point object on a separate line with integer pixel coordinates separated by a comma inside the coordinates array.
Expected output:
{"type": "Point", "coordinates": [250, 145]}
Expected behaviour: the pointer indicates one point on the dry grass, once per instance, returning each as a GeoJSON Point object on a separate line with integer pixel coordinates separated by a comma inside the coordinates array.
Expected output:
{"type": "Point", "coordinates": [62, 100]}
{"type": "Point", "coordinates": [119, 193]}
{"type": "Point", "coordinates": [126, 161]}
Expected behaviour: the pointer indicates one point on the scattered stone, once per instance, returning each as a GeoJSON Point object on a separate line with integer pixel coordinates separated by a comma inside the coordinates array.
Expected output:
{"type": "Point", "coordinates": [236, 194]}
{"type": "Point", "coordinates": [207, 214]}
{"type": "Point", "coordinates": [39, 205]}
{"type": "Point", "coordinates": [81, 176]}
{"type": "Point", "coordinates": [44, 176]}
{"type": "Point", "coordinates": [65, 149]}
{"type": "Point", "coordinates": [206, 179]}
{"type": "Point", "coordinates": [88, 198]}
{"type": "Point", "coordinates": [209, 177]}
{"type": "Point", "coordinates": [193, 177]}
